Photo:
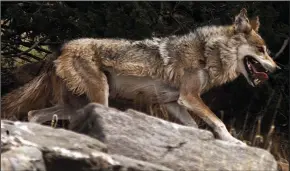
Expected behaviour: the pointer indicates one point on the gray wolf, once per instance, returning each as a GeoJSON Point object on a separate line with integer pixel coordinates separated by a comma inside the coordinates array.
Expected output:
{"type": "Point", "coordinates": [173, 70]}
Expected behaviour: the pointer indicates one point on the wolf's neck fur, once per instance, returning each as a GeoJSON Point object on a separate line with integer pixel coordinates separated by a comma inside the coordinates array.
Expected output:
{"type": "Point", "coordinates": [210, 49]}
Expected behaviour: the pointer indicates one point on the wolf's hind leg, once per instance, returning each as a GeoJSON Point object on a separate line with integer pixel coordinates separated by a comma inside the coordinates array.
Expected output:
{"type": "Point", "coordinates": [83, 75]}
{"type": "Point", "coordinates": [46, 114]}
{"type": "Point", "coordinates": [66, 108]}
{"type": "Point", "coordinates": [180, 113]}
{"type": "Point", "coordinates": [98, 93]}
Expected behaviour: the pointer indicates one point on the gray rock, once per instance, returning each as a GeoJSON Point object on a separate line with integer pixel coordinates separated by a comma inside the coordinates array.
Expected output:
{"type": "Point", "coordinates": [24, 158]}
{"type": "Point", "coordinates": [46, 137]}
{"type": "Point", "coordinates": [126, 141]}
{"type": "Point", "coordinates": [33, 147]}
{"type": "Point", "coordinates": [150, 139]}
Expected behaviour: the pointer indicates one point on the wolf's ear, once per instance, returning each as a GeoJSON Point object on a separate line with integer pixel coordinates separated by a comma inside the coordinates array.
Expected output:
{"type": "Point", "coordinates": [255, 23]}
{"type": "Point", "coordinates": [242, 24]}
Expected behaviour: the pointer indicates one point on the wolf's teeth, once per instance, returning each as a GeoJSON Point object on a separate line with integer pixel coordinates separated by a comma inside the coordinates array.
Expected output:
{"type": "Point", "coordinates": [257, 81]}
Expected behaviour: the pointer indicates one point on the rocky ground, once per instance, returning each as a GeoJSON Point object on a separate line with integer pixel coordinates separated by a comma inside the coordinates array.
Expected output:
{"type": "Point", "coordinates": [102, 138]}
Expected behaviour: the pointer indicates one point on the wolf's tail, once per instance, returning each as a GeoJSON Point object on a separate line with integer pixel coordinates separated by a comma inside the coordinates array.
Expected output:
{"type": "Point", "coordinates": [33, 95]}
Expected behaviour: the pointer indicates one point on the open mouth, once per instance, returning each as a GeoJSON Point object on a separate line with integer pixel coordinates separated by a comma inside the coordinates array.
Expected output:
{"type": "Point", "coordinates": [257, 73]}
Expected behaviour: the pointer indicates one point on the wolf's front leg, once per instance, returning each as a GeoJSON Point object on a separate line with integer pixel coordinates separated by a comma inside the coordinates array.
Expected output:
{"type": "Point", "coordinates": [195, 104]}
{"type": "Point", "coordinates": [180, 112]}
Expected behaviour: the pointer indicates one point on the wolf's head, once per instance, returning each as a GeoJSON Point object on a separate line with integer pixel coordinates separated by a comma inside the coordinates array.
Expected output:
{"type": "Point", "coordinates": [254, 61]}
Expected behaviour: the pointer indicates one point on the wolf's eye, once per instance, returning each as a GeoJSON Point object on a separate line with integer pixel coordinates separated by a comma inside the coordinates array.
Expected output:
{"type": "Point", "coordinates": [261, 49]}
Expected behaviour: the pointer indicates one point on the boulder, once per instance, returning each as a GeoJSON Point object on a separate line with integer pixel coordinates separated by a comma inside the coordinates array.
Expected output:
{"type": "Point", "coordinates": [29, 146]}
{"type": "Point", "coordinates": [142, 137]}
{"type": "Point", "coordinates": [103, 138]}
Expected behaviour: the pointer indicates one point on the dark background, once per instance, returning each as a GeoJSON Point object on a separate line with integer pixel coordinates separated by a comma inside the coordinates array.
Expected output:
{"type": "Point", "coordinates": [45, 25]}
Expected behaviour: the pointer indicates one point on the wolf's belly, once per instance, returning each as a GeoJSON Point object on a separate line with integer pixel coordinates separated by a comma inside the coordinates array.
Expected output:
{"type": "Point", "coordinates": [132, 87]}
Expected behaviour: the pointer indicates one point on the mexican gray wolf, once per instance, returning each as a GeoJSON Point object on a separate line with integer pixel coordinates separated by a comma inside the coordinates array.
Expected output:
{"type": "Point", "coordinates": [172, 70]}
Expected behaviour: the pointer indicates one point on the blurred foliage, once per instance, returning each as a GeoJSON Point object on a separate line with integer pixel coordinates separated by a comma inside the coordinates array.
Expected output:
{"type": "Point", "coordinates": [60, 21]}
{"type": "Point", "coordinates": [31, 30]}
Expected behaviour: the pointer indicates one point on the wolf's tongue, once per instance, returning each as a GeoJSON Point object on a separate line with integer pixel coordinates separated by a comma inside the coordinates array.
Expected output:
{"type": "Point", "coordinates": [260, 75]}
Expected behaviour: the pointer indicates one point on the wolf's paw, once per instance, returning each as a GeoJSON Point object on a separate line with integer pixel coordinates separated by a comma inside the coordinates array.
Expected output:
{"type": "Point", "coordinates": [236, 141]}
{"type": "Point", "coordinates": [226, 136]}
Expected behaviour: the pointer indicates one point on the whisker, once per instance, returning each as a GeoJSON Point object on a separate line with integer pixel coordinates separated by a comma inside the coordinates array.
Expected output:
{"type": "Point", "coordinates": [281, 65]}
